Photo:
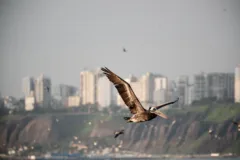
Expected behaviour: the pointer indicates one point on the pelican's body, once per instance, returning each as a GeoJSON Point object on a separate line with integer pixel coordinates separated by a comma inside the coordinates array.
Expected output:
{"type": "Point", "coordinates": [141, 117]}
{"type": "Point", "coordinates": [139, 113]}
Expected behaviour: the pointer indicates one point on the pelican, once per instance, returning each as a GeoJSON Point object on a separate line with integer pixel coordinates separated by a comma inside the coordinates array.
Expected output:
{"type": "Point", "coordinates": [117, 133]}
{"type": "Point", "coordinates": [130, 99]}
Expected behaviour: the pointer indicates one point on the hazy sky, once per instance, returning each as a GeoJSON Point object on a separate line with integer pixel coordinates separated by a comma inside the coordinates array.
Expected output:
{"type": "Point", "coordinates": [60, 38]}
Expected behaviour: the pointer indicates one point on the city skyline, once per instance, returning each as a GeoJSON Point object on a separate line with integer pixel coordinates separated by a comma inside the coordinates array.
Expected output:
{"type": "Point", "coordinates": [60, 38]}
{"type": "Point", "coordinates": [95, 70]}
{"type": "Point", "coordinates": [150, 88]}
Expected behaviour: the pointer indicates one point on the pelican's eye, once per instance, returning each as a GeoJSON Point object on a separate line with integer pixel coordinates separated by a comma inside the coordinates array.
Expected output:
{"type": "Point", "coordinates": [152, 109]}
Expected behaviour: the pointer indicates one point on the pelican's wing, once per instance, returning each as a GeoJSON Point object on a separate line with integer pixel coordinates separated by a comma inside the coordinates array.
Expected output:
{"type": "Point", "coordinates": [161, 114]}
{"type": "Point", "coordinates": [125, 91]}
{"type": "Point", "coordinates": [165, 104]}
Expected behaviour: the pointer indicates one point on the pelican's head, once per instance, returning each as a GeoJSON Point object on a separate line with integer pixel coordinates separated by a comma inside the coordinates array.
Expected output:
{"type": "Point", "coordinates": [151, 109]}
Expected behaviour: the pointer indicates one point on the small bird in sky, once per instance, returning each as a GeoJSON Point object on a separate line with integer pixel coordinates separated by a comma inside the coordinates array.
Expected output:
{"type": "Point", "coordinates": [117, 133]}
{"type": "Point", "coordinates": [124, 50]}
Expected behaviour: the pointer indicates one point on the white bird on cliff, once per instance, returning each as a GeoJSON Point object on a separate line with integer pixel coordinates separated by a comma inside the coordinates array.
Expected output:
{"type": "Point", "coordinates": [75, 137]}
{"type": "Point", "coordinates": [210, 131]}
{"type": "Point", "coordinates": [173, 122]}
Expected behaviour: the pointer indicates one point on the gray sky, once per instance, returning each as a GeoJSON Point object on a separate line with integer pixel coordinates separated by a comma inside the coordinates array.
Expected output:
{"type": "Point", "coordinates": [60, 38]}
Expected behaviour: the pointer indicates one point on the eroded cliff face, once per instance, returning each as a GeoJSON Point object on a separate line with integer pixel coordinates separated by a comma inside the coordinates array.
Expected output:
{"type": "Point", "coordinates": [180, 137]}
{"type": "Point", "coordinates": [188, 134]}
{"type": "Point", "coordinates": [27, 131]}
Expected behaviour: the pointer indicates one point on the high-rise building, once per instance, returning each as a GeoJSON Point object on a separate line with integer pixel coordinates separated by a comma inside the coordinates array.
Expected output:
{"type": "Point", "coordinates": [230, 86]}
{"type": "Point", "coordinates": [172, 90]}
{"type": "Point", "coordinates": [160, 89]}
{"type": "Point", "coordinates": [147, 88]}
{"type": "Point", "coordinates": [88, 83]}
{"type": "Point", "coordinates": [220, 86]}
{"type": "Point", "coordinates": [200, 86]}
{"type": "Point", "coordinates": [30, 102]}
{"type": "Point", "coordinates": [61, 93]}
{"type": "Point", "coordinates": [104, 92]}
{"type": "Point", "coordinates": [190, 94]}
{"type": "Point", "coordinates": [182, 90]}
{"type": "Point", "coordinates": [42, 94]}
{"type": "Point", "coordinates": [63, 90]}
{"type": "Point", "coordinates": [73, 101]}
{"type": "Point", "coordinates": [27, 85]}
{"type": "Point", "coordinates": [237, 85]}
{"type": "Point", "coordinates": [190, 91]}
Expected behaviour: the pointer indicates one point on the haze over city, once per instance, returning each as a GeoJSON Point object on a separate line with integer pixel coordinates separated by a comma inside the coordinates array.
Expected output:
{"type": "Point", "coordinates": [61, 38]}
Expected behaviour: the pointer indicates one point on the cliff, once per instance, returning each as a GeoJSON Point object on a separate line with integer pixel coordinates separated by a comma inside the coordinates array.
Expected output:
{"type": "Point", "coordinates": [186, 131]}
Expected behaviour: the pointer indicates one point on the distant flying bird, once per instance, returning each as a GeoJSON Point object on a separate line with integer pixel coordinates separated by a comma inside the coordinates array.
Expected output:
{"type": "Point", "coordinates": [117, 133]}
{"type": "Point", "coordinates": [130, 99]}
{"type": "Point", "coordinates": [236, 123]}
{"type": "Point", "coordinates": [124, 50]}
{"type": "Point", "coordinates": [210, 131]}
{"type": "Point", "coordinates": [173, 122]}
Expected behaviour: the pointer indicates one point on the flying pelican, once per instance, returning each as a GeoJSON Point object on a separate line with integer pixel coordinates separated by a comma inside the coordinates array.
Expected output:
{"type": "Point", "coordinates": [130, 99]}
{"type": "Point", "coordinates": [117, 133]}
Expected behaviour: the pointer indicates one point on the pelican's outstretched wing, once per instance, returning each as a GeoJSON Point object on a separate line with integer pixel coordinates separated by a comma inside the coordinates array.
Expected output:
{"type": "Point", "coordinates": [125, 91]}
{"type": "Point", "coordinates": [161, 114]}
{"type": "Point", "coordinates": [165, 104]}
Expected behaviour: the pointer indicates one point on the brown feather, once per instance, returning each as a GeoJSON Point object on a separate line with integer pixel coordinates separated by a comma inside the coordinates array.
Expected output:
{"type": "Point", "coordinates": [161, 114]}
{"type": "Point", "coordinates": [125, 91]}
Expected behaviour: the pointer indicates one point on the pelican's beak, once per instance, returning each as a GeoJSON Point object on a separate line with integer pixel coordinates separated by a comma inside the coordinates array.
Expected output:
{"type": "Point", "coordinates": [161, 114]}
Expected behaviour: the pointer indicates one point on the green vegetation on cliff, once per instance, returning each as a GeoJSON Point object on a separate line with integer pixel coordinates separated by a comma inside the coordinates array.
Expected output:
{"type": "Point", "coordinates": [189, 134]}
